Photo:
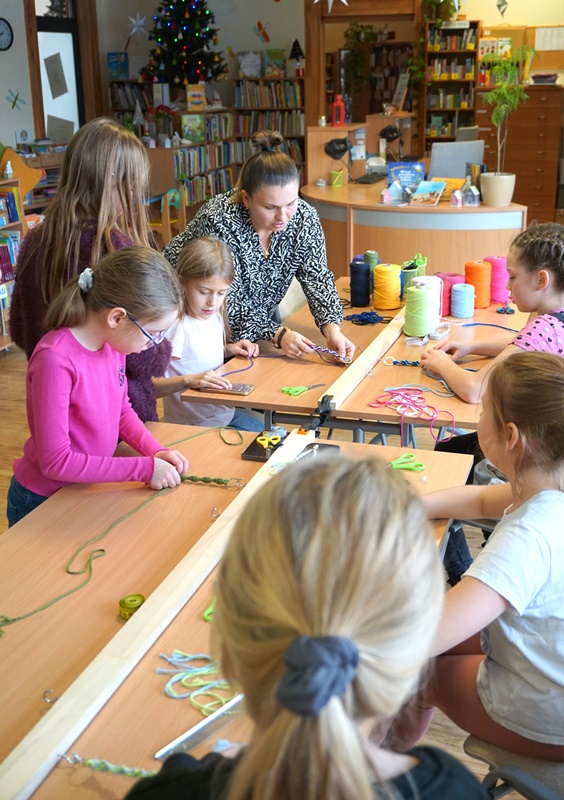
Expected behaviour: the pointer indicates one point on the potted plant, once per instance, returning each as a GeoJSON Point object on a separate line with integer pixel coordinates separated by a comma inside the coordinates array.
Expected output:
{"type": "Point", "coordinates": [505, 96]}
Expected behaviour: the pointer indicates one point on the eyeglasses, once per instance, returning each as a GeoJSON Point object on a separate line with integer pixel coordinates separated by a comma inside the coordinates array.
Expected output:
{"type": "Point", "coordinates": [154, 338]}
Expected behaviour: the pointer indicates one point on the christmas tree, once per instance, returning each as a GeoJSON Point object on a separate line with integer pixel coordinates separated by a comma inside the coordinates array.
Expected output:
{"type": "Point", "coordinates": [184, 35]}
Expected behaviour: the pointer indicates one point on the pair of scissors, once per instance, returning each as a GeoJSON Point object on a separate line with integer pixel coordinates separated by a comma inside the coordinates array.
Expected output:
{"type": "Point", "coordinates": [295, 391]}
{"type": "Point", "coordinates": [407, 461]}
{"type": "Point", "coordinates": [505, 310]}
{"type": "Point", "coordinates": [267, 440]}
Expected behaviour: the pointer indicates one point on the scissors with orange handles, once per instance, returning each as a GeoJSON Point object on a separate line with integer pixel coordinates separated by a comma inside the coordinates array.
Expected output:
{"type": "Point", "coordinates": [407, 461]}
{"type": "Point", "coordinates": [268, 440]}
{"type": "Point", "coordinates": [296, 391]}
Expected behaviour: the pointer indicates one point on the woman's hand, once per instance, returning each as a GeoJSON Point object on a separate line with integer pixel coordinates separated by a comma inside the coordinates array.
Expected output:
{"type": "Point", "coordinates": [242, 348]}
{"type": "Point", "coordinates": [294, 345]}
{"type": "Point", "coordinates": [456, 350]}
{"type": "Point", "coordinates": [338, 341]}
{"type": "Point", "coordinates": [169, 465]}
{"type": "Point", "coordinates": [208, 380]}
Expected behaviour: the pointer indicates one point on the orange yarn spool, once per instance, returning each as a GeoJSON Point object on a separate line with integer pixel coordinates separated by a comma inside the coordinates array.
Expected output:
{"type": "Point", "coordinates": [479, 275]}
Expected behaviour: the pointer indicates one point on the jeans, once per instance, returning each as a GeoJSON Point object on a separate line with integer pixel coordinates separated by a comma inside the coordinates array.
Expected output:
{"type": "Point", "coordinates": [20, 502]}
{"type": "Point", "coordinates": [457, 558]}
{"type": "Point", "coordinates": [246, 422]}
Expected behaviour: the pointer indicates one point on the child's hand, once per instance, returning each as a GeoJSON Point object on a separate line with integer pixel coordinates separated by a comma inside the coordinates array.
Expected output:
{"type": "Point", "coordinates": [210, 380]}
{"type": "Point", "coordinates": [242, 348]}
{"type": "Point", "coordinates": [434, 360]}
{"type": "Point", "coordinates": [456, 350]}
{"type": "Point", "coordinates": [175, 458]}
{"type": "Point", "coordinates": [165, 473]}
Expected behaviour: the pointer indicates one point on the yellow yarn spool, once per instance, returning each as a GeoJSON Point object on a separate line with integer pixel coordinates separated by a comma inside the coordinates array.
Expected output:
{"type": "Point", "coordinates": [387, 286]}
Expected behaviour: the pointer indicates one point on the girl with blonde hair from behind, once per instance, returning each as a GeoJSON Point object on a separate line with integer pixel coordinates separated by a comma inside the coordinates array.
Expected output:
{"type": "Point", "coordinates": [328, 598]}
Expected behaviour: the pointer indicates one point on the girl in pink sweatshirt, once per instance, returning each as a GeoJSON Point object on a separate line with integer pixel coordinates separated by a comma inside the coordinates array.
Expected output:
{"type": "Point", "coordinates": [76, 387]}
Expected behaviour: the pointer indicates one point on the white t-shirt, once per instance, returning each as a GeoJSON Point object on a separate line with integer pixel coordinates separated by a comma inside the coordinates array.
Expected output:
{"type": "Point", "coordinates": [521, 681]}
{"type": "Point", "coordinates": [197, 346]}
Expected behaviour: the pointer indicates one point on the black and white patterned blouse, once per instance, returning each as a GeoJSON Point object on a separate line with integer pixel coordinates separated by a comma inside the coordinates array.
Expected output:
{"type": "Point", "coordinates": [260, 284]}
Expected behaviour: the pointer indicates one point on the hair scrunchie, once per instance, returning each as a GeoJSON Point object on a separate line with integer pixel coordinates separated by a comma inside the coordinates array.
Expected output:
{"type": "Point", "coordinates": [85, 280]}
{"type": "Point", "coordinates": [319, 668]}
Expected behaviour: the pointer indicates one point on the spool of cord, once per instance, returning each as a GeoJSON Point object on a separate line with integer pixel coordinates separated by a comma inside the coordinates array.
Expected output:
{"type": "Point", "coordinates": [437, 284]}
{"type": "Point", "coordinates": [408, 273]}
{"type": "Point", "coordinates": [462, 301]}
{"type": "Point", "coordinates": [360, 284]}
{"type": "Point", "coordinates": [421, 309]}
{"type": "Point", "coordinates": [372, 259]}
{"type": "Point", "coordinates": [448, 279]}
{"type": "Point", "coordinates": [479, 275]}
{"type": "Point", "coordinates": [499, 292]}
{"type": "Point", "coordinates": [387, 286]}
{"type": "Point", "coordinates": [130, 604]}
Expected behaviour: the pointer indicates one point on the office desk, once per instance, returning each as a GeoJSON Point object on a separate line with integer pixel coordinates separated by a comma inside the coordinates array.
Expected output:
{"type": "Point", "coordinates": [49, 651]}
{"type": "Point", "coordinates": [139, 718]}
{"type": "Point", "coordinates": [353, 222]}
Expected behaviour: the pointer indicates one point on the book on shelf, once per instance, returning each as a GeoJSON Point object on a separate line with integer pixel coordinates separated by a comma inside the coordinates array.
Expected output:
{"type": "Point", "coordinates": [11, 196]}
{"type": "Point", "coordinates": [195, 97]}
{"type": "Point", "coordinates": [193, 127]}
{"type": "Point", "coordinates": [118, 66]}
{"type": "Point", "coordinates": [250, 64]}
{"type": "Point", "coordinates": [275, 63]}
{"type": "Point", "coordinates": [428, 193]}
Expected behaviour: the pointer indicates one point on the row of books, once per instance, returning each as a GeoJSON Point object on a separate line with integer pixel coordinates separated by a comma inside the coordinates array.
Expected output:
{"type": "Point", "coordinates": [447, 40]}
{"type": "Point", "coordinates": [288, 123]}
{"type": "Point", "coordinates": [390, 58]}
{"type": "Point", "coordinates": [293, 147]}
{"type": "Point", "coordinates": [200, 128]}
{"type": "Point", "coordinates": [220, 126]}
{"type": "Point", "coordinates": [202, 187]}
{"type": "Point", "coordinates": [441, 126]}
{"type": "Point", "coordinates": [125, 95]}
{"type": "Point", "coordinates": [446, 68]}
{"type": "Point", "coordinates": [9, 249]}
{"type": "Point", "coordinates": [271, 94]}
{"type": "Point", "coordinates": [10, 205]}
{"type": "Point", "coordinates": [190, 161]}
{"type": "Point", "coordinates": [441, 98]}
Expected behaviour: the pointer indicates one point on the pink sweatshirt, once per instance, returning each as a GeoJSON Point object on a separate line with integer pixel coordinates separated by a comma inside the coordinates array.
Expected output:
{"type": "Point", "coordinates": [77, 408]}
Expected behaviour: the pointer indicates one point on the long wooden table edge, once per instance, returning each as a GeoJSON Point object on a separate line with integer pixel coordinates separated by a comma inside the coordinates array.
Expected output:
{"type": "Point", "coordinates": [35, 756]}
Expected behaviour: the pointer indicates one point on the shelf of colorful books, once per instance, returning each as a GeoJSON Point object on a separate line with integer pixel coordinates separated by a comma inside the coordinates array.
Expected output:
{"type": "Point", "coordinates": [12, 230]}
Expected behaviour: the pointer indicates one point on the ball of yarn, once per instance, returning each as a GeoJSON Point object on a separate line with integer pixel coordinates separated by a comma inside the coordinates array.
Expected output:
{"type": "Point", "coordinates": [479, 275]}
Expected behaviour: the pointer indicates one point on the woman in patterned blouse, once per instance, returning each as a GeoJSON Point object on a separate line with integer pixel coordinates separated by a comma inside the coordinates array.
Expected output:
{"type": "Point", "coordinates": [274, 236]}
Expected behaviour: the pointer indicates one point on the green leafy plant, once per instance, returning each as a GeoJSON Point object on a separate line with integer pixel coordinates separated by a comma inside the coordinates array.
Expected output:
{"type": "Point", "coordinates": [439, 10]}
{"type": "Point", "coordinates": [356, 39]}
{"type": "Point", "coordinates": [506, 94]}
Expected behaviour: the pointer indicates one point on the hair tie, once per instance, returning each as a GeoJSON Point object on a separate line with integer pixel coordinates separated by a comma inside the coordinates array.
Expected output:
{"type": "Point", "coordinates": [85, 280]}
{"type": "Point", "coordinates": [319, 668]}
{"type": "Point", "coordinates": [268, 149]}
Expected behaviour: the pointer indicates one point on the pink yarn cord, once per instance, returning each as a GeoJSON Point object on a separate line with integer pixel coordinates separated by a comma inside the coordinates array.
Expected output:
{"type": "Point", "coordinates": [411, 403]}
{"type": "Point", "coordinates": [499, 292]}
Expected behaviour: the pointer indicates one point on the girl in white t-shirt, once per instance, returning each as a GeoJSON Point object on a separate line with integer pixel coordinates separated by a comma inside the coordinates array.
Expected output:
{"type": "Point", "coordinates": [499, 672]}
{"type": "Point", "coordinates": [199, 339]}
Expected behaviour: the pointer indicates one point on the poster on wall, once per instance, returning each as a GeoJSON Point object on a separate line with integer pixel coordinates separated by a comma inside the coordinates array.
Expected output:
{"type": "Point", "coordinates": [56, 75]}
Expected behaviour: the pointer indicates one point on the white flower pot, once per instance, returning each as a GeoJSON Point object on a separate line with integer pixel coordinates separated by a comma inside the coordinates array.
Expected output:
{"type": "Point", "coordinates": [497, 188]}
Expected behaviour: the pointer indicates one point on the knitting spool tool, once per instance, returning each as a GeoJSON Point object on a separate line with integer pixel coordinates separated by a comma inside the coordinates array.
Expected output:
{"type": "Point", "coordinates": [296, 391]}
{"type": "Point", "coordinates": [407, 461]}
{"type": "Point", "coordinates": [130, 604]}
{"type": "Point", "coordinates": [200, 732]}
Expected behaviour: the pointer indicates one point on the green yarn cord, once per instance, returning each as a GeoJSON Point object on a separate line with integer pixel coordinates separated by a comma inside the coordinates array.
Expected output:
{"type": "Point", "coordinates": [88, 567]}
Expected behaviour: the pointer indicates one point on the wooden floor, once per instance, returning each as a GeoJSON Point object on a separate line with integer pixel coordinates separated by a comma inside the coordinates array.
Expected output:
{"type": "Point", "coordinates": [13, 364]}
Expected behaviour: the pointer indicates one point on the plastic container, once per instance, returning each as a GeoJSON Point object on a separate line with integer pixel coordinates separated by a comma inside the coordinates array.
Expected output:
{"type": "Point", "coordinates": [8, 171]}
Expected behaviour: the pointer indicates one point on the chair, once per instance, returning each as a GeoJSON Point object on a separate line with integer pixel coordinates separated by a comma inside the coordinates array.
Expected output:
{"type": "Point", "coordinates": [160, 218]}
{"type": "Point", "coordinates": [449, 159]}
{"type": "Point", "coordinates": [533, 778]}
{"type": "Point", "coordinates": [469, 134]}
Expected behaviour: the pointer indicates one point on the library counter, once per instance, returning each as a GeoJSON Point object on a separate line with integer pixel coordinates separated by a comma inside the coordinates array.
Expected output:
{"type": "Point", "coordinates": [353, 221]}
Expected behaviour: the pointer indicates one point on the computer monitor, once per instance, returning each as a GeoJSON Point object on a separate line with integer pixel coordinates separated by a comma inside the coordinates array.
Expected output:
{"type": "Point", "coordinates": [449, 159]}
{"type": "Point", "coordinates": [469, 134]}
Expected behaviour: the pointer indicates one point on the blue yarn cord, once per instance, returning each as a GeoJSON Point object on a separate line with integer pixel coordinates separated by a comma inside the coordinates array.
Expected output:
{"type": "Point", "coordinates": [489, 325]}
{"type": "Point", "coordinates": [243, 369]}
{"type": "Point", "coordinates": [367, 318]}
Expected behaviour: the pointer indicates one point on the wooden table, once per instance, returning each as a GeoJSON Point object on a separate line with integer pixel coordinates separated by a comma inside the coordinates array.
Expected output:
{"type": "Point", "coordinates": [139, 718]}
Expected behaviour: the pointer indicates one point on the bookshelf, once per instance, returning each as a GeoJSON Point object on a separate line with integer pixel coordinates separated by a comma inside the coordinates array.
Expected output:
{"type": "Point", "coordinates": [12, 230]}
{"type": "Point", "coordinates": [273, 104]}
{"type": "Point", "coordinates": [123, 96]}
{"type": "Point", "coordinates": [450, 89]}
{"type": "Point", "coordinates": [388, 60]}
{"type": "Point", "coordinates": [204, 168]}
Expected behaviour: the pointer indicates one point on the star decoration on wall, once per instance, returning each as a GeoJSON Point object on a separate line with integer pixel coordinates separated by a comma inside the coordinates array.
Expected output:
{"type": "Point", "coordinates": [330, 3]}
{"type": "Point", "coordinates": [502, 6]}
{"type": "Point", "coordinates": [138, 25]}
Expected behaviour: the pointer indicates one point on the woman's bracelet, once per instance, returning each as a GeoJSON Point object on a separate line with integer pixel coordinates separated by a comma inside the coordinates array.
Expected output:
{"type": "Point", "coordinates": [277, 344]}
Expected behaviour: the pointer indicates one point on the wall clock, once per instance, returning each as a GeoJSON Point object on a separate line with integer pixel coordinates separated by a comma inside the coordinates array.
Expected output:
{"type": "Point", "coordinates": [6, 34]}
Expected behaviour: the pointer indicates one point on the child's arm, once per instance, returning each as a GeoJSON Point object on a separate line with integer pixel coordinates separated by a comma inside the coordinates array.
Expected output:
{"type": "Point", "coordinates": [469, 607]}
{"type": "Point", "coordinates": [469, 502]}
{"type": "Point", "coordinates": [469, 386]}
{"type": "Point", "coordinates": [178, 383]}
{"type": "Point", "coordinates": [242, 348]}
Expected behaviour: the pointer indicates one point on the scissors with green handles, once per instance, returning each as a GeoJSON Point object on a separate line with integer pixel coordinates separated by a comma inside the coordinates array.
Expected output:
{"type": "Point", "coordinates": [268, 440]}
{"type": "Point", "coordinates": [407, 461]}
{"type": "Point", "coordinates": [295, 391]}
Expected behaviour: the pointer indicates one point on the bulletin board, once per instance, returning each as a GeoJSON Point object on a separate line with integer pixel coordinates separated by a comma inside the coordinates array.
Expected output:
{"type": "Point", "coordinates": [527, 35]}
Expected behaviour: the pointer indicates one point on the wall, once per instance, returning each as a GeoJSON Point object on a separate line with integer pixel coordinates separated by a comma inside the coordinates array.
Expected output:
{"type": "Point", "coordinates": [282, 20]}
{"type": "Point", "coordinates": [14, 77]}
